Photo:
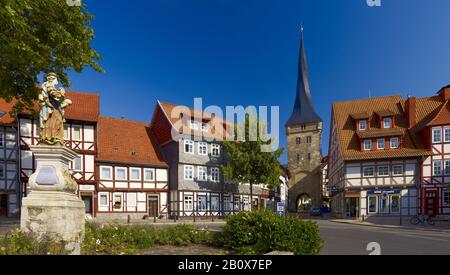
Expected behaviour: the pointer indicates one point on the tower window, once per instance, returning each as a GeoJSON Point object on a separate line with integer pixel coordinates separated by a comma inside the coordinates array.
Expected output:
{"type": "Point", "coordinates": [303, 127]}
{"type": "Point", "coordinates": [308, 139]}
{"type": "Point", "coordinates": [298, 140]}
{"type": "Point", "coordinates": [309, 156]}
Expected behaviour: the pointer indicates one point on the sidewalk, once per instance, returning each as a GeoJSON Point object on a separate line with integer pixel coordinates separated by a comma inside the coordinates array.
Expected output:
{"type": "Point", "coordinates": [395, 224]}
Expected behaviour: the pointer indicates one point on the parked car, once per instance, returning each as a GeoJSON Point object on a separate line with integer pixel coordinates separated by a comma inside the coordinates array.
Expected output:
{"type": "Point", "coordinates": [315, 211]}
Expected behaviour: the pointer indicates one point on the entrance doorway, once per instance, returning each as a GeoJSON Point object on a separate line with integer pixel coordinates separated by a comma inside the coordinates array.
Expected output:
{"type": "Point", "coordinates": [304, 203]}
{"type": "Point", "coordinates": [3, 205]}
{"type": "Point", "coordinates": [431, 203]}
{"type": "Point", "coordinates": [352, 207]}
{"type": "Point", "coordinates": [153, 208]}
{"type": "Point", "coordinates": [87, 199]}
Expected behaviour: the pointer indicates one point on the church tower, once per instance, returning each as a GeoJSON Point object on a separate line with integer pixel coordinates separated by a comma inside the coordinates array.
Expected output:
{"type": "Point", "coordinates": [304, 135]}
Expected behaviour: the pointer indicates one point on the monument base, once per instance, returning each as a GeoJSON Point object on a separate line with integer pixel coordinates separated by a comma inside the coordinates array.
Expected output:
{"type": "Point", "coordinates": [54, 214]}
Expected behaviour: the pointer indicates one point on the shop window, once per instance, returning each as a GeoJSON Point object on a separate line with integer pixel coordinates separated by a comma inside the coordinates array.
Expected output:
{"type": "Point", "coordinates": [395, 204]}
{"type": "Point", "coordinates": [202, 205]}
{"type": "Point", "coordinates": [373, 202]}
{"type": "Point", "coordinates": [215, 203]}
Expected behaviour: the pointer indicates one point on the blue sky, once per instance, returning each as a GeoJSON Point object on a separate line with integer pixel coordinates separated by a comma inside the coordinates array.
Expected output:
{"type": "Point", "coordinates": [245, 52]}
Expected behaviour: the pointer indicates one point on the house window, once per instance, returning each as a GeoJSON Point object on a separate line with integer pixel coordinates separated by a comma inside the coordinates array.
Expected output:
{"type": "Point", "coordinates": [437, 135]}
{"type": "Point", "coordinates": [387, 122]}
{"type": "Point", "coordinates": [395, 204]}
{"type": "Point", "coordinates": [105, 173]}
{"type": "Point", "coordinates": [117, 201]}
{"type": "Point", "coordinates": [77, 164]}
{"type": "Point", "coordinates": [215, 174]}
{"type": "Point", "coordinates": [66, 131]}
{"type": "Point", "coordinates": [236, 204]}
{"type": "Point", "coordinates": [308, 140]}
{"type": "Point", "coordinates": [202, 173]}
{"type": "Point", "coordinates": [367, 144]}
{"type": "Point", "coordinates": [394, 143]}
{"type": "Point", "coordinates": [226, 203]}
{"type": "Point", "coordinates": [2, 171]}
{"type": "Point", "coordinates": [202, 206]}
{"type": "Point", "coordinates": [446, 198]}
{"type": "Point", "coordinates": [373, 204]}
{"type": "Point", "coordinates": [205, 127]}
{"type": "Point", "coordinates": [103, 200]}
{"type": "Point", "coordinates": [362, 125]}
{"type": "Point", "coordinates": [303, 127]}
{"type": "Point", "coordinates": [193, 125]}
{"type": "Point", "coordinates": [76, 132]}
{"type": "Point", "coordinates": [437, 168]}
{"type": "Point", "coordinates": [368, 171]}
{"type": "Point", "coordinates": [149, 174]}
{"type": "Point", "coordinates": [188, 172]}
{"type": "Point", "coordinates": [215, 150]}
{"type": "Point", "coordinates": [380, 143]}
{"type": "Point", "coordinates": [215, 203]}
{"type": "Point", "coordinates": [121, 173]}
{"type": "Point", "coordinates": [447, 167]}
{"type": "Point", "coordinates": [383, 170]}
{"type": "Point", "coordinates": [202, 148]}
{"type": "Point", "coordinates": [188, 203]}
{"type": "Point", "coordinates": [246, 204]}
{"type": "Point", "coordinates": [135, 174]}
{"type": "Point", "coordinates": [397, 170]}
{"type": "Point", "coordinates": [298, 140]}
{"type": "Point", "coordinates": [447, 134]}
{"type": "Point", "coordinates": [188, 146]}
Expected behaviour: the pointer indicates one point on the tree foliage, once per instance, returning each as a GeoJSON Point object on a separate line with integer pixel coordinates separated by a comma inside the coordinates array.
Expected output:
{"type": "Point", "coordinates": [246, 162]}
{"type": "Point", "coordinates": [39, 37]}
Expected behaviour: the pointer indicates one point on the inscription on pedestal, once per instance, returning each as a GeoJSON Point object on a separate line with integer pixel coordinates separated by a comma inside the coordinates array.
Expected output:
{"type": "Point", "coordinates": [47, 175]}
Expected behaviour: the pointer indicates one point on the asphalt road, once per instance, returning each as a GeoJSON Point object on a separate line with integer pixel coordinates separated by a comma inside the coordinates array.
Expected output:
{"type": "Point", "coordinates": [349, 239]}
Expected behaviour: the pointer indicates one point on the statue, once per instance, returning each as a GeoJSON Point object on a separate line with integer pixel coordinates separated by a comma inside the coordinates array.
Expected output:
{"type": "Point", "coordinates": [52, 102]}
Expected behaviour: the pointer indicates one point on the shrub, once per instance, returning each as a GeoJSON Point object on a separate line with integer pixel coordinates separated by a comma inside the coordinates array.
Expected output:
{"type": "Point", "coordinates": [259, 232]}
{"type": "Point", "coordinates": [19, 243]}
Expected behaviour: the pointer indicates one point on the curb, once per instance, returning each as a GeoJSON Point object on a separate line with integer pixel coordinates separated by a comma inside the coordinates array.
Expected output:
{"type": "Point", "coordinates": [393, 226]}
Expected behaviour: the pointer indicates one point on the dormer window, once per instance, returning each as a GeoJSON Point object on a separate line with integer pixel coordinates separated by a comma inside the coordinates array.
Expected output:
{"type": "Point", "coordinates": [380, 143]}
{"type": "Point", "coordinates": [367, 144]}
{"type": "Point", "coordinates": [394, 143]}
{"type": "Point", "coordinates": [362, 125]}
{"type": "Point", "coordinates": [387, 122]}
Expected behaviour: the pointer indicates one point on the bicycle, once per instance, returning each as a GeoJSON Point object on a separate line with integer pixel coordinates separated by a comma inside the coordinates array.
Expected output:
{"type": "Point", "coordinates": [421, 219]}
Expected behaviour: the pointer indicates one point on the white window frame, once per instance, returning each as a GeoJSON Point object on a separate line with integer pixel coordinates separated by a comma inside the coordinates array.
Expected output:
{"type": "Point", "coordinates": [185, 168]}
{"type": "Point", "coordinates": [100, 199]}
{"type": "Point", "coordinates": [191, 145]}
{"type": "Point", "coordinates": [215, 171]}
{"type": "Point", "coordinates": [188, 200]}
{"type": "Point", "coordinates": [139, 173]}
{"type": "Point", "coordinates": [383, 175]}
{"type": "Point", "coordinates": [213, 198]}
{"type": "Point", "coordinates": [114, 201]}
{"type": "Point", "coordinates": [145, 174]}
{"type": "Point", "coordinates": [433, 135]}
{"type": "Point", "coordinates": [393, 170]}
{"type": "Point", "coordinates": [116, 173]}
{"type": "Point", "coordinates": [201, 144]}
{"type": "Point", "coordinates": [202, 170]}
{"type": "Point", "coordinates": [446, 196]}
{"type": "Point", "coordinates": [74, 166]}
{"type": "Point", "coordinates": [378, 143]}
{"type": "Point", "coordinates": [362, 122]}
{"type": "Point", "coordinates": [446, 138]}
{"type": "Point", "coordinates": [369, 143]}
{"type": "Point", "coordinates": [391, 142]}
{"type": "Point", "coordinates": [73, 132]}
{"type": "Point", "coordinates": [205, 127]}
{"type": "Point", "coordinates": [66, 131]}
{"type": "Point", "coordinates": [226, 203]}
{"type": "Point", "coordinates": [198, 203]}
{"type": "Point", "coordinates": [193, 125]}
{"type": "Point", "coordinates": [434, 166]}
{"type": "Point", "coordinates": [387, 122]}
{"type": "Point", "coordinates": [368, 204]}
{"type": "Point", "coordinates": [110, 172]}
{"type": "Point", "coordinates": [368, 167]}
{"type": "Point", "coordinates": [217, 147]}
{"type": "Point", "coordinates": [446, 165]}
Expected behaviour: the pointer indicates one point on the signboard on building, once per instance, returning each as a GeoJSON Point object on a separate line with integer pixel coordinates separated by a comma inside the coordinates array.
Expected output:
{"type": "Point", "coordinates": [280, 208]}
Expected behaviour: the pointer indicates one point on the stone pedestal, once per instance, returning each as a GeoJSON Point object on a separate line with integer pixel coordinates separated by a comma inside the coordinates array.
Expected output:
{"type": "Point", "coordinates": [52, 208]}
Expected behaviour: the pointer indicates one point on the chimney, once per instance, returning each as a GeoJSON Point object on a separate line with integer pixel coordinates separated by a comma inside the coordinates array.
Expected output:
{"type": "Point", "coordinates": [410, 107]}
{"type": "Point", "coordinates": [445, 93]}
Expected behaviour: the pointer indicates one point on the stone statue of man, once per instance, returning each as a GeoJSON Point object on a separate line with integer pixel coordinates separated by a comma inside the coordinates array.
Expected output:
{"type": "Point", "coordinates": [52, 102]}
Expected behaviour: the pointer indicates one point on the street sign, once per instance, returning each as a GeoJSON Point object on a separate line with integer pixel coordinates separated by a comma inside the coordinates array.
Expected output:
{"type": "Point", "coordinates": [280, 209]}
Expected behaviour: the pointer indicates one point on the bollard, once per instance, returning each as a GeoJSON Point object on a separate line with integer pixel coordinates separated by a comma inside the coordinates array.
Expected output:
{"type": "Point", "coordinates": [128, 219]}
{"type": "Point", "coordinates": [362, 217]}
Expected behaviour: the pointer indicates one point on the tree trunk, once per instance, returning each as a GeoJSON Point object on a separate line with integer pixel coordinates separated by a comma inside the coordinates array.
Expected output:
{"type": "Point", "coordinates": [251, 196]}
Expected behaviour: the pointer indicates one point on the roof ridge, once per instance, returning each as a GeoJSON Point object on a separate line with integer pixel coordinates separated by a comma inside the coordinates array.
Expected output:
{"type": "Point", "coordinates": [367, 99]}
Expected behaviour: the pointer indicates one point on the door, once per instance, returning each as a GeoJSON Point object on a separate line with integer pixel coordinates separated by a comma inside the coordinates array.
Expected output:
{"type": "Point", "coordinates": [431, 203]}
{"type": "Point", "coordinates": [87, 199]}
{"type": "Point", "coordinates": [3, 205]}
{"type": "Point", "coordinates": [153, 208]}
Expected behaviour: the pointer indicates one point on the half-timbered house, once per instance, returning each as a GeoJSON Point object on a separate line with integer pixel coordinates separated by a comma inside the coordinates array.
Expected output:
{"type": "Point", "coordinates": [191, 143]}
{"type": "Point", "coordinates": [80, 136]}
{"type": "Point", "coordinates": [374, 159]}
{"type": "Point", "coordinates": [9, 182]}
{"type": "Point", "coordinates": [133, 176]}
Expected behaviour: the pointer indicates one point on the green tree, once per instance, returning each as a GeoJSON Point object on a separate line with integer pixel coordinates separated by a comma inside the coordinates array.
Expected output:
{"type": "Point", "coordinates": [39, 37]}
{"type": "Point", "coordinates": [246, 162]}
